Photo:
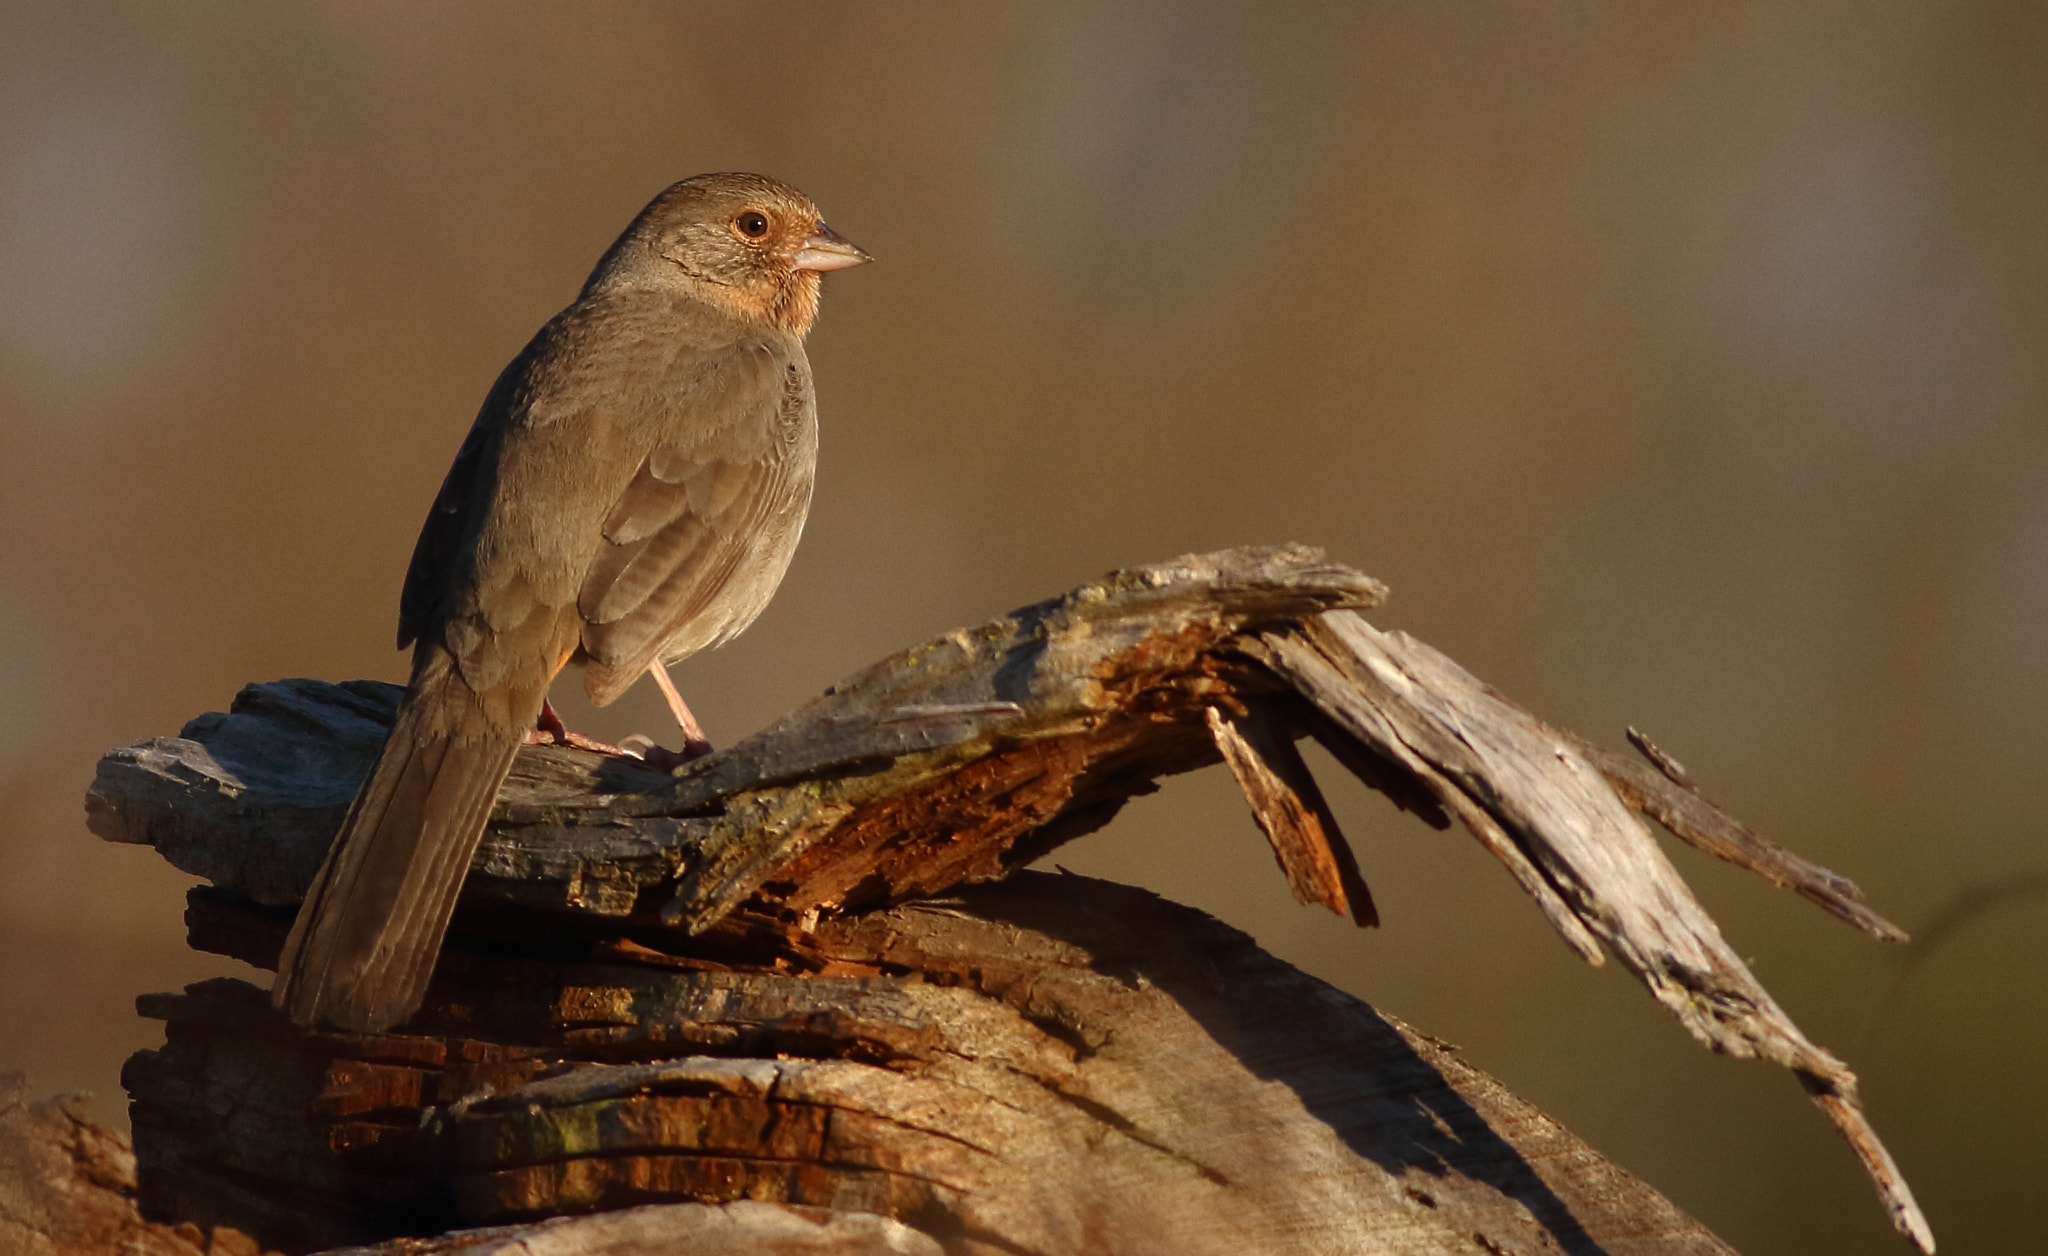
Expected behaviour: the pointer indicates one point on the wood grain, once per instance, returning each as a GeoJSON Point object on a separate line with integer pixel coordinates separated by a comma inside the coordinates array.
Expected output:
{"type": "Point", "coordinates": [807, 970]}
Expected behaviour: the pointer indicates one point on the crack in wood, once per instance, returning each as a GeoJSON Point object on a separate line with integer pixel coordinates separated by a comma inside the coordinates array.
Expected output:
{"type": "Point", "coordinates": [760, 904]}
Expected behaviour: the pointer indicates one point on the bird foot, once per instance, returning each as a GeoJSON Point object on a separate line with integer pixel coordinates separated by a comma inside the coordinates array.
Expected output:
{"type": "Point", "coordinates": [641, 746]}
{"type": "Point", "coordinates": [582, 741]}
{"type": "Point", "coordinates": [549, 730]}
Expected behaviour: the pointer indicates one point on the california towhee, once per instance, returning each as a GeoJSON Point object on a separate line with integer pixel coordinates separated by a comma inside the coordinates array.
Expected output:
{"type": "Point", "coordinates": [630, 493]}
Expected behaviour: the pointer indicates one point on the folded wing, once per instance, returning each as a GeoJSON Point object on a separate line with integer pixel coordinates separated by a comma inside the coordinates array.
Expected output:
{"type": "Point", "coordinates": [699, 538]}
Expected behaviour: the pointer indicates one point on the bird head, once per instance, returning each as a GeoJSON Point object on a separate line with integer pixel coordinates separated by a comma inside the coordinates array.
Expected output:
{"type": "Point", "coordinates": [753, 246]}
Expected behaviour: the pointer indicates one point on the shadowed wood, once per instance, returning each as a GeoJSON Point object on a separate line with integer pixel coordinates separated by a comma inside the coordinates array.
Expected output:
{"type": "Point", "coordinates": [1572, 840]}
{"type": "Point", "coordinates": [796, 860]}
{"type": "Point", "coordinates": [1049, 1064]}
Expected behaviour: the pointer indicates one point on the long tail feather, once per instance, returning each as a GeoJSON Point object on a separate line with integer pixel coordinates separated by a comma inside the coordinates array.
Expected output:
{"type": "Point", "coordinates": [365, 941]}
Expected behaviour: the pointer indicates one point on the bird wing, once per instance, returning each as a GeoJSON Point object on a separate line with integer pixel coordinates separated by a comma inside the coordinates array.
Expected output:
{"type": "Point", "coordinates": [695, 543]}
{"type": "Point", "coordinates": [648, 488]}
{"type": "Point", "coordinates": [457, 511]}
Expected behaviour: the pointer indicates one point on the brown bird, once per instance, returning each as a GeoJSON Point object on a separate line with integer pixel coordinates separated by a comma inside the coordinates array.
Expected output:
{"type": "Point", "coordinates": [630, 493]}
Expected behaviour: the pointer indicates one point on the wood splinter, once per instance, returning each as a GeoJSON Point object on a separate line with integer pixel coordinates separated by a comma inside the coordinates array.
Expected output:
{"type": "Point", "coordinates": [791, 927]}
{"type": "Point", "coordinates": [1290, 810]}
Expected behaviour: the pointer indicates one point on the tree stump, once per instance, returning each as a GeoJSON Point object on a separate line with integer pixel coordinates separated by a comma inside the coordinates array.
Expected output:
{"type": "Point", "coordinates": [798, 996]}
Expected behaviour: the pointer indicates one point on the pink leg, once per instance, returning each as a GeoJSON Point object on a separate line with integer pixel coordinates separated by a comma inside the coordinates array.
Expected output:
{"type": "Point", "coordinates": [549, 730]}
{"type": "Point", "coordinates": [695, 743]}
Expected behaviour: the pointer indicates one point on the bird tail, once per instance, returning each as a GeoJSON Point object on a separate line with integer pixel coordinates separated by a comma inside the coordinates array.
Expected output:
{"type": "Point", "coordinates": [365, 941]}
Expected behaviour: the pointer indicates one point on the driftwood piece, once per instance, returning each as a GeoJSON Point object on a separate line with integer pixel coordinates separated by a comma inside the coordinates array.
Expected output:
{"type": "Point", "coordinates": [954, 763]}
{"type": "Point", "coordinates": [919, 773]}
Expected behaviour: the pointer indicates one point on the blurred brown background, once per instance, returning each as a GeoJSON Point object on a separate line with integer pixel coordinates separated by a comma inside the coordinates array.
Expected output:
{"type": "Point", "coordinates": [1677, 364]}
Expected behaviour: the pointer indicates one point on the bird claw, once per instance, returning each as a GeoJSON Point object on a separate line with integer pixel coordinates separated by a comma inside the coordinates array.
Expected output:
{"type": "Point", "coordinates": [549, 730]}
{"type": "Point", "coordinates": [641, 746]}
{"type": "Point", "coordinates": [564, 737]}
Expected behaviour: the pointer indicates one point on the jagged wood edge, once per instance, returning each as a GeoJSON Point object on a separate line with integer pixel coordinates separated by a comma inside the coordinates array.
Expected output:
{"type": "Point", "coordinates": [1573, 842]}
{"type": "Point", "coordinates": [1061, 670]}
{"type": "Point", "coordinates": [572, 830]}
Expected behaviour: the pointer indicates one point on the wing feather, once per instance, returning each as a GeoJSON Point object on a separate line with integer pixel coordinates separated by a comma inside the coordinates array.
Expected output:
{"type": "Point", "coordinates": [700, 536]}
{"type": "Point", "coordinates": [646, 487]}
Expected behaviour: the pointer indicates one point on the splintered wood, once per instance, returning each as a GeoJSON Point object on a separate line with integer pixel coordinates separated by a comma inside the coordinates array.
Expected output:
{"type": "Point", "coordinates": [762, 978]}
{"type": "Point", "coordinates": [1290, 810]}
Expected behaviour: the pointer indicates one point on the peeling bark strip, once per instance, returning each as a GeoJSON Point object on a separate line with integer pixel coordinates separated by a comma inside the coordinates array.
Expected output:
{"type": "Point", "coordinates": [959, 761]}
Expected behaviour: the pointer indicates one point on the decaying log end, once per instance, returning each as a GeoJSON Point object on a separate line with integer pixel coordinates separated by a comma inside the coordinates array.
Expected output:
{"type": "Point", "coordinates": [833, 847]}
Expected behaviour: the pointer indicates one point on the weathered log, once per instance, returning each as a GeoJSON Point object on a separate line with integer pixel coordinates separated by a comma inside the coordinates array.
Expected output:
{"type": "Point", "coordinates": [664, 939]}
{"type": "Point", "coordinates": [1050, 1064]}
{"type": "Point", "coordinates": [67, 1188]}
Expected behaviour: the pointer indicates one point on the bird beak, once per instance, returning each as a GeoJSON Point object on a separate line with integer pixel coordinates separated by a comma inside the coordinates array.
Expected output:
{"type": "Point", "coordinates": [826, 249]}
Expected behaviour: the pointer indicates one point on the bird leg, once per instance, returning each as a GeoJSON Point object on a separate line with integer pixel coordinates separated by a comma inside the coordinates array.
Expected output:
{"type": "Point", "coordinates": [549, 730]}
{"type": "Point", "coordinates": [695, 744]}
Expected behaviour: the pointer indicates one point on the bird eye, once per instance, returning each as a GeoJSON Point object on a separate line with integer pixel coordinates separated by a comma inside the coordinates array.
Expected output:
{"type": "Point", "coordinates": [752, 224]}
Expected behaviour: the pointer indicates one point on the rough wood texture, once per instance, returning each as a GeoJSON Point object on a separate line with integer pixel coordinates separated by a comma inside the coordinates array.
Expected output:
{"type": "Point", "coordinates": [1567, 831]}
{"type": "Point", "coordinates": [67, 1188]}
{"type": "Point", "coordinates": [728, 907]}
{"type": "Point", "coordinates": [1290, 810]}
{"type": "Point", "coordinates": [744, 1228]}
{"type": "Point", "coordinates": [1053, 1064]}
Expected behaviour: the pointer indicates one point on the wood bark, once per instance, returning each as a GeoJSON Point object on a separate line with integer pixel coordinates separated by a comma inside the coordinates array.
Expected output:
{"type": "Point", "coordinates": [805, 970]}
